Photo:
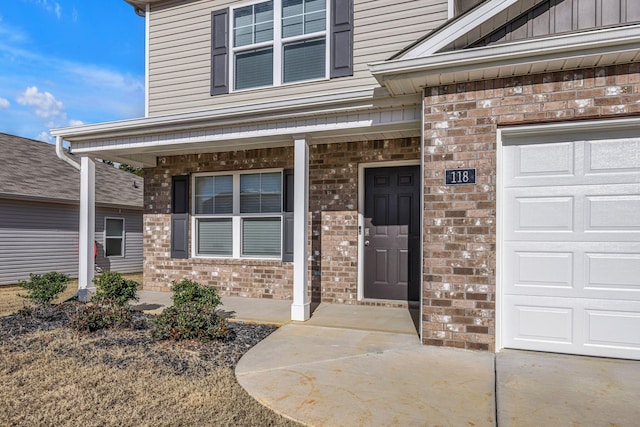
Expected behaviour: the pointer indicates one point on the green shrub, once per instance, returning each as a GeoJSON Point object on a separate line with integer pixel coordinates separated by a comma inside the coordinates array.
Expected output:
{"type": "Point", "coordinates": [190, 320]}
{"type": "Point", "coordinates": [113, 289]}
{"type": "Point", "coordinates": [42, 289]}
{"type": "Point", "coordinates": [186, 291]}
{"type": "Point", "coordinates": [93, 317]}
{"type": "Point", "coordinates": [193, 314]}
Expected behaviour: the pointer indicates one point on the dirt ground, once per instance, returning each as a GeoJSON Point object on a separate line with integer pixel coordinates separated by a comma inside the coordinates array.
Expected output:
{"type": "Point", "coordinates": [53, 375]}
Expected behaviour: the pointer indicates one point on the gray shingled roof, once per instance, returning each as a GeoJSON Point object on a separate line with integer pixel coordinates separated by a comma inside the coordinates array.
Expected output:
{"type": "Point", "coordinates": [31, 169]}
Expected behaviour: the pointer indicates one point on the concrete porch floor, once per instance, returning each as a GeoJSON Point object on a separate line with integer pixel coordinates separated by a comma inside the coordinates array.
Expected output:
{"type": "Point", "coordinates": [364, 366]}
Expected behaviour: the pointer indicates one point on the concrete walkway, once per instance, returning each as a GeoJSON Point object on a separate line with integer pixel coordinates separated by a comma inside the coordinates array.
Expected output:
{"type": "Point", "coordinates": [364, 366]}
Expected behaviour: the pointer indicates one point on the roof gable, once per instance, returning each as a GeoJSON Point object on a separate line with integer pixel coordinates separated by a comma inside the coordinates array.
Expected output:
{"type": "Point", "coordinates": [31, 169]}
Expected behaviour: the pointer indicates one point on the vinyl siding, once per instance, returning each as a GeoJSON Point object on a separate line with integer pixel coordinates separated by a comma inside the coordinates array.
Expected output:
{"type": "Point", "coordinates": [180, 33]}
{"type": "Point", "coordinates": [38, 237]}
{"type": "Point", "coordinates": [132, 260]}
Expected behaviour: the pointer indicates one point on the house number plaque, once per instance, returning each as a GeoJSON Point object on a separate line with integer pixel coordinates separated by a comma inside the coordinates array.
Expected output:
{"type": "Point", "coordinates": [460, 176]}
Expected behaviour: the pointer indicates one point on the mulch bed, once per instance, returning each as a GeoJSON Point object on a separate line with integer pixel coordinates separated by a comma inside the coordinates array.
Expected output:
{"type": "Point", "coordinates": [45, 327]}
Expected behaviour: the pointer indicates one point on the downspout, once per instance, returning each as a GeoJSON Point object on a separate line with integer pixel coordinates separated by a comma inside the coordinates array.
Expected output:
{"type": "Point", "coordinates": [62, 155]}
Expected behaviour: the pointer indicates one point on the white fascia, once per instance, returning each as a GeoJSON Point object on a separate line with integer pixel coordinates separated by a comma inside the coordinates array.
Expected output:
{"type": "Point", "coordinates": [475, 17]}
{"type": "Point", "coordinates": [526, 51]}
{"type": "Point", "coordinates": [297, 107]}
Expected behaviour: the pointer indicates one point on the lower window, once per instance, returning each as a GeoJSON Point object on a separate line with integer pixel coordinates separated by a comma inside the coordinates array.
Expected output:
{"type": "Point", "coordinates": [238, 214]}
{"type": "Point", "coordinates": [114, 237]}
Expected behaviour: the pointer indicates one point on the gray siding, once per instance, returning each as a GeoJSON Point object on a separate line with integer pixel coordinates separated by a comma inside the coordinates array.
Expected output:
{"type": "Point", "coordinates": [180, 43]}
{"type": "Point", "coordinates": [132, 260]}
{"type": "Point", "coordinates": [561, 16]}
{"type": "Point", "coordinates": [38, 237]}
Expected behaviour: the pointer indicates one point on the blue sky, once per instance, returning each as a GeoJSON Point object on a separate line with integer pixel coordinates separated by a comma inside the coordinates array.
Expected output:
{"type": "Point", "coordinates": [69, 62]}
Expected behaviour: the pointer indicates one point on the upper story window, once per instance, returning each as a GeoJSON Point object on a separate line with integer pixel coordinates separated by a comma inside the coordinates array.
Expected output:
{"type": "Point", "coordinates": [279, 41]}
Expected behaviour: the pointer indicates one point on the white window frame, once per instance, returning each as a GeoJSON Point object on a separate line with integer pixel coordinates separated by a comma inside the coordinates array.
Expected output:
{"type": "Point", "coordinates": [278, 47]}
{"type": "Point", "coordinates": [104, 237]}
{"type": "Point", "coordinates": [236, 216]}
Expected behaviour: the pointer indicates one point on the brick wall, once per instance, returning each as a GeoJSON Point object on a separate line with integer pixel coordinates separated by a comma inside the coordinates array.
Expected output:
{"type": "Point", "coordinates": [333, 200]}
{"type": "Point", "coordinates": [461, 121]}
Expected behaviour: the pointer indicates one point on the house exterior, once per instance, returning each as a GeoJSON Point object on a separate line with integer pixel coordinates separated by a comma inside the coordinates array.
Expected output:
{"type": "Point", "coordinates": [477, 159]}
{"type": "Point", "coordinates": [39, 213]}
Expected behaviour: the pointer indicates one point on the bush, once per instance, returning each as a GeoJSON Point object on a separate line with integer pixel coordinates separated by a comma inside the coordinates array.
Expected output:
{"type": "Point", "coordinates": [93, 317]}
{"type": "Point", "coordinates": [42, 289]}
{"type": "Point", "coordinates": [113, 289]}
{"type": "Point", "coordinates": [193, 314]}
{"type": "Point", "coordinates": [189, 320]}
{"type": "Point", "coordinates": [187, 291]}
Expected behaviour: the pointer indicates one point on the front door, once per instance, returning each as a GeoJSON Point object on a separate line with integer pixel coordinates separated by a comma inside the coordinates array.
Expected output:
{"type": "Point", "coordinates": [391, 233]}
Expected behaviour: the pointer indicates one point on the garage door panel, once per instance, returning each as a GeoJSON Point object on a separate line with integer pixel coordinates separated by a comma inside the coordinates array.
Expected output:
{"type": "Point", "coordinates": [613, 272]}
{"type": "Point", "coordinates": [579, 326]}
{"type": "Point", "coordinates": [605, 270]}
{"type": "Point", "coordinates": [605, 212]}
{"type": "Point", "coordinates": [615, 212]}
{"type": "Point", "coordinates": [612, 156]}
{"type": "Point", "coordinates": [615, 161]}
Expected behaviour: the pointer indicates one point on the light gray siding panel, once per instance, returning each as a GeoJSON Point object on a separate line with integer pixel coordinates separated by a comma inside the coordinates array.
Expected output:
{"type": "Point", "coordinates": [37, 237]}
{"type": "Point", "coordinates": [561, 16]}
{"type": "Point", "coordinates": [132, 260]}
{"type": "Point", "coordinates": [180, 33]}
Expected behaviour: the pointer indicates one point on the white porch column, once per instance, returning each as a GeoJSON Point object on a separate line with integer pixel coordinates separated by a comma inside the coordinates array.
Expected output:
{"type": "Point", "coordinates": [300, 309]}
{"type": "Point", "coordinates": [87, 227]}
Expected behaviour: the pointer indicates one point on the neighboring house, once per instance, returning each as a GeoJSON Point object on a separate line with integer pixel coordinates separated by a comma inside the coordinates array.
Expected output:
{"type": "Point", "coordinates": [39, 213]}
{"type": "Point", "coordinates": [481, 158]}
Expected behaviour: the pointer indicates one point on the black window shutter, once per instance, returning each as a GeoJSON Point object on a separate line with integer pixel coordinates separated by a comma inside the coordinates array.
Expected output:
{"type": "Point", "coordinates": [287, 217]}
{"type": "Point", "coordinates": [180, 216]}
{"type": "Point", "coordinates": [341, 38]}
{"type": "Point", "coordinates": [220, 52]}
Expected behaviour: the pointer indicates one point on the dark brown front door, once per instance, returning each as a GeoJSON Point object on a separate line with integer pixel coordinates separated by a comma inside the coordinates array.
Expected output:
{"type": "Point", "coordinates": [392, 233]}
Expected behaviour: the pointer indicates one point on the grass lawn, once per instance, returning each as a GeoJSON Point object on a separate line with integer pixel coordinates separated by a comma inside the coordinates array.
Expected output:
{"type": "Point", "coordinates": [53, 375]}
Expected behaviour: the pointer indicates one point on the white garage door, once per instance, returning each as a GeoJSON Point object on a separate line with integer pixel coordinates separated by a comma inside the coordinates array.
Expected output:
{"type": "Point", "coordinates": [571, 247]}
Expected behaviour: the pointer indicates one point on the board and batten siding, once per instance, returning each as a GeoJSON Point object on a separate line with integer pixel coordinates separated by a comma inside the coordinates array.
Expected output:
{"type": "Point", "coordinates": [180, 57]}
{"type": "Point", "coordinates": [38, 237]}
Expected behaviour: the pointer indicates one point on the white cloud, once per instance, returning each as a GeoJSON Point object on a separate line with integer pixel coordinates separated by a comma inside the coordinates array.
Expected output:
{"type": "Point", "coordinates": [75, 122]}
{"type": "Point", "coordinates": [45, 137]}
{"type": "Point", "coordinates": [74, 15]}
{"type": "Point", "coordinates": [44, 103]}
{"type": "Point", "coordinates": [4, 103]}
{"type": "Point", "coordinates": [106, 78]}
{"type": "Point", "coordinates": [53, 7]}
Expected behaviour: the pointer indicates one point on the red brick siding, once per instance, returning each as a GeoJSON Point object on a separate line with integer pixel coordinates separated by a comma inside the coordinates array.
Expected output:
{"type": "Point", "coordinates": [461, 121]}
{"type": "Point", "coordinates": [333, 200]}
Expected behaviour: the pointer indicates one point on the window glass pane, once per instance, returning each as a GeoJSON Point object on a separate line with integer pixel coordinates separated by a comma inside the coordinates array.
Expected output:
{"type": "Point", "coordinates": [314, 22]}
{"type": "Point", "coordinates": [214, 194]}
{"type": "Point", "coordinates": [243, 36]}
{"type": "Point", "coordinates": [254, 68]}
{"type": "Point", "coordinates": [215, 236]}
{"type": "Point", "coordinates": [243, 16]}
{"type": "Point", "coordinates": [291, 8]}
{"type": "Point", "coordinates": [114, 227]}
{"type": "Point", "coordinates": [223, 194]}
{"type": "Point", "coordinates": [261, 237]}
{"type": "Point", "coordinates": [113, 247]}
{"type": "Point", "coordinates": [260, 192]}
{"type": "Point", "coordinates": [304, 60]}
{"type": "Point", "coordinates": [264, 32]}
{"type": "Point", "coordinates": [253, 24]}
{"type": "Point", "coordinates": [315, 5]}
{"type": "Point", "coordinates": [292, 26]}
